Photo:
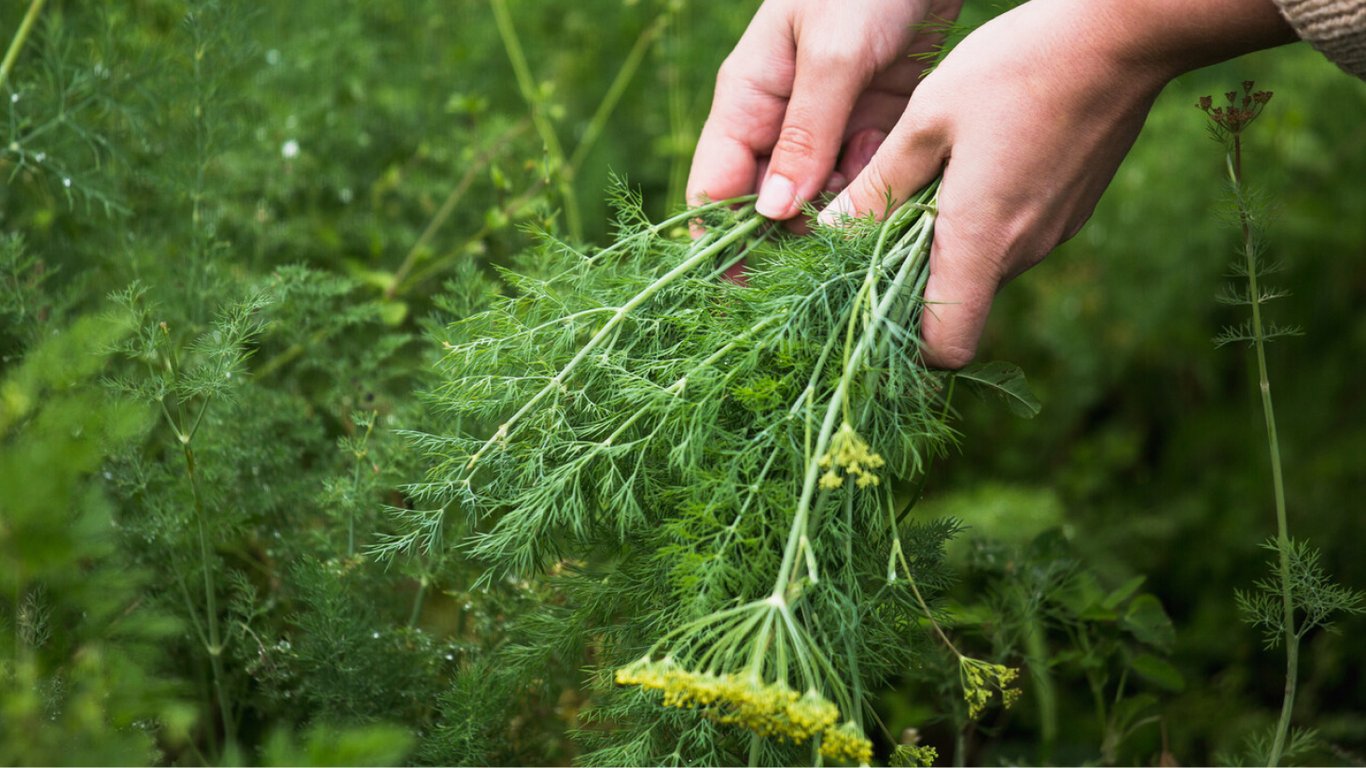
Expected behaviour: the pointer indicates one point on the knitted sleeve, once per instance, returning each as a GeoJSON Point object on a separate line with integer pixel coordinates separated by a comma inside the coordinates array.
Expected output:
{"type": "Point", "coordinates": [1337, 28]}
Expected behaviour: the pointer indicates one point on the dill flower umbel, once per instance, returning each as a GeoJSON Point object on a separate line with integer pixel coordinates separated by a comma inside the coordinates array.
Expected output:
{"type": "Point", "coordinates": [847, 742]}
{"type": "Point", "coordinates": [771, 709]}
{"type": "Point", "coordinates": [980, 679]}
{"type": "Point", "coordinates": [849, 452]}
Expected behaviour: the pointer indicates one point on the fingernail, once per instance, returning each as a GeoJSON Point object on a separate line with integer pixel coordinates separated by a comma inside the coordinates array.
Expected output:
{"type": "Point", "coordinates": [776, 197]}
{"type": "Point", "coordinates": [836, 212]}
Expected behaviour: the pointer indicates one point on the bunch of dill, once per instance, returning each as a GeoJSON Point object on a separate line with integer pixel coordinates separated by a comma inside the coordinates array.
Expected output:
{"type": "Point", "coordinates": [719, 471]}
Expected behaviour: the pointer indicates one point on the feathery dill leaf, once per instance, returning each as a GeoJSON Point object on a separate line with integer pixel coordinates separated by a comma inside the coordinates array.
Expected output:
{"type": "Point", "coordinates": [631, 420]}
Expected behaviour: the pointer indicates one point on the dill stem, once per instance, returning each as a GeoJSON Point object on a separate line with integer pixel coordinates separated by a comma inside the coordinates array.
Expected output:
{"type": "Point", "coordinates": [924, 606]}
{"type": "Point", "coordinates": [1292, 639]}
{"type": "Point", "coordinates": [481, 161]}
{"type": "Point", "coordinates": [418, 599]}
{"type": "Point", "coordinates": [20, 37]}
{"type": "Point", "coordinates": [215, 644]}
{"type": "Point", "coordinates": [854, 358]}
{"type": "Point", "coordinates": [563, 171]}
{"type": "Point", "coordinates": [625, 74]}
{"type": "Point", "coordinates": [676, 388]}
{"type": "Point", "coordinates": [738, 232]}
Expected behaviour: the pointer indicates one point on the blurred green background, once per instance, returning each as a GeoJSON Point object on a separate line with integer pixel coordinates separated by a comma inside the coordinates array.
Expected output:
{"type": "Point", "coordinates": [362, 168]}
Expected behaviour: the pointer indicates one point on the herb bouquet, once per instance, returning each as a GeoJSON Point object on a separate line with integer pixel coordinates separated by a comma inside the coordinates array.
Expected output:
{"type": "Point", "coordinates": [720, 472]}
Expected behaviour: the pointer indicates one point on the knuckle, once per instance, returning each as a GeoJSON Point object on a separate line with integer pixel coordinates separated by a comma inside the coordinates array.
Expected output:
{"type": "Point", "coordinates": [796, 141]}
{"type": "Point", "coordinates": [832, 57]}
{"type": "Point", "coordinates": [954, 356]}
{"type": "Point", "coordinates": [874, 189]}
{"type": "Point", "coordinates": [729, 74]}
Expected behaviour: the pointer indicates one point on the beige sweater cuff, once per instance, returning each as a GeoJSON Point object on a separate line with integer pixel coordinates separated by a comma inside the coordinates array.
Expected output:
{"type": "Point", "coordinates": [1335, 27]}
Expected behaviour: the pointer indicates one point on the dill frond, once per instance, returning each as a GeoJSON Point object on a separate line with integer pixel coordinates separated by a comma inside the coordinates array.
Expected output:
{"type": "Point", "coordinates": [628, 405]}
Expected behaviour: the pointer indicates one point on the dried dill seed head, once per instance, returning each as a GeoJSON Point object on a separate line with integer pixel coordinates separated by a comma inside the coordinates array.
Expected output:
{"type": "Point", "coordinates": [1240, 111]}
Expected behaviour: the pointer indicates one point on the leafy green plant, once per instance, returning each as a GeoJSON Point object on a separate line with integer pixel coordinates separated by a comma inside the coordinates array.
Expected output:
{"type": "Point", "coordinates": [80, 675]}
{"type": "Point", "coordinates": [367, 175]}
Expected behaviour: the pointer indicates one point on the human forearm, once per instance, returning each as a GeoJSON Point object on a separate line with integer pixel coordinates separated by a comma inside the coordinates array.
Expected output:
{"type": "Point", "coordinates": [1171, 37]}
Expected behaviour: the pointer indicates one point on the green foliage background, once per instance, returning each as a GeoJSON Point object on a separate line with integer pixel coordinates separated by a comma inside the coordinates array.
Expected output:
{"type": "Point", "coordinates": [293, 201]}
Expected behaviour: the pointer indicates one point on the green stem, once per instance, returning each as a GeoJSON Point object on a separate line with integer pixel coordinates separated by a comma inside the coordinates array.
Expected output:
{"type": "Point", "coordinates": [448, 207]}
{"type": "Point", "coordinates": [625, 75]}
{"type": "Point", "coordinates": [680, 130]}
{"type": "Point", "coordinates": [676, 388]}
{"type": "Point", "coordinates": [358, 455]}
{"type": "Point", "coordinates": [756, 745]}
{"type": "Point", "coordinates": [418, 599]}
{"type": "Point", "coordinates": [215, 644]}
{"type": "Point", "coordinates": [1292, 639]}
{"type": "Point", "coordinates": [562, 170]}
{"type": "Point", "coordinates": [1045, 692]}
{"type": "Point", "coordinates": [836, 405]}
{"type": "Point", "coordinates": [20, 37]}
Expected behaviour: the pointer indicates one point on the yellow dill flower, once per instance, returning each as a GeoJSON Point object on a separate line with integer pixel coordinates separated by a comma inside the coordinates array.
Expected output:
{"type": "Point", "coordinates": [810, 715]}
{"type": "Point", "coordinates": [980, 679]}
{"type": "Point", "coordinates": [769, 709]}
{"type": "Point", "coordinates": [847, 742]}
{"type": "Point", "coordinates": [761, 707]}
{"type": "Point", "coordinates": [851, 453]}
{"type": "Point", "coordinates": [914, 755]}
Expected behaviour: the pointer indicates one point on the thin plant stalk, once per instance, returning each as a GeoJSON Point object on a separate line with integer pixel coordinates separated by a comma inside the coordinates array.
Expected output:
{"type": "Point", "coordinates": [625, 74]}
{"type": "Point", "coordinates": [1292, 638]}
{"type": "Point", "coordinates": [837, 404]}
{"type": "Point", "coordinates": [215, 645]}
{"type": "Point", "coordinates": [20, 37]}
{"type": "Point", "coordinates": [702, 256]}
{"type": "Point", "coordinates": [211, 632]}
{"type": "Point", "coordinates": [563, 171]}
{"type": "Point", "coordinates": [481, 161]}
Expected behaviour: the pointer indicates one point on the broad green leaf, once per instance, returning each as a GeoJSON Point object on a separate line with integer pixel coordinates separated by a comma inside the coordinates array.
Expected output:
{"type": "Point", "coordinates": [1134, 711]}
{"type": "Point", "coordinates": [1124, 592]}
{"type": "Point", "coordinates": [1006, 381]}
{"type": "Point", "coordinates": [1147, 621]}
{"type": "Point", "coordinates": [1158, 671]}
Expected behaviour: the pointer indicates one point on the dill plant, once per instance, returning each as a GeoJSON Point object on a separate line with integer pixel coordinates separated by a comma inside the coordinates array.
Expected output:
{"type": "Point", "coordinates": [725, 470]}
{"type": "Point", "coordinates": [1300, 596]}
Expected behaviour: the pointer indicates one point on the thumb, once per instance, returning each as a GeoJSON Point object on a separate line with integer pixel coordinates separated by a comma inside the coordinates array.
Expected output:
{"type": "Point", "coordinates": [824, 90]}
{"type": "Point", "coordinates": [964, 274]}
{"type": "Point", "coordinates": [908, 159]}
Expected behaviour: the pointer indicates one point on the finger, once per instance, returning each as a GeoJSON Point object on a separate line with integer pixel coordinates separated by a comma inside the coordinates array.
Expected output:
{"type": "Point", "coordinates": [858, 153]}
{"type": "Point", "coordinates": [723, 167]}
{"type": "Point", "coordinates": [910, 157]}
{"type": "Point", "coordinates": [824, 92]}
{"type": "Point", "coordinates": [746, 113]}
{"type": "Point", "coordinates": [964, 277]}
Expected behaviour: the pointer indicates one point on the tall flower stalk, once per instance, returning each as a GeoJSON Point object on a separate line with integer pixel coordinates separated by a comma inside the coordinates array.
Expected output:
{"type": "Point", "coordinates": [1301, 597]}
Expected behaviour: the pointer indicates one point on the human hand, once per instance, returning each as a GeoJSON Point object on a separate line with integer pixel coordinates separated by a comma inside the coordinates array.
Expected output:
{"type": "Point", "coordinates": [1028, 119]}
{"type": "Point", "coordinates": [811, 85]}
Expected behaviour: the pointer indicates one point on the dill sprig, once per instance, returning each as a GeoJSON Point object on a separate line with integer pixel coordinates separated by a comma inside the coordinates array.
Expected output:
{"type": "Point", "coordinates": [630, 406]}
